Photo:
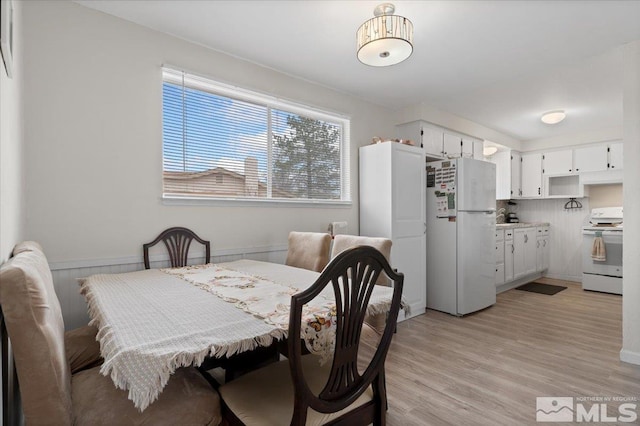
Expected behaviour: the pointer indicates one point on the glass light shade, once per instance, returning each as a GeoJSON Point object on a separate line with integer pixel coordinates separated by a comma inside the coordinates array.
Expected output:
{"type": "Point", "coordinates": [489, 150]}
{"type": "Point", "coordinates": [553, 117]}
{"type": "Point", "coordinates": [385, 40]}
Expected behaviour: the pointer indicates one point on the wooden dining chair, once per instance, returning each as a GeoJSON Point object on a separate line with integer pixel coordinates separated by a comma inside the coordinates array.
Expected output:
{"type": "Point", "coordinates": [177, 240]}
{"type": "Point", "coordinates": [343, 242]}
{"type": "Point", "coordinates": [300, 391]}
{"type": "Point", "coordinates": [308, 250]}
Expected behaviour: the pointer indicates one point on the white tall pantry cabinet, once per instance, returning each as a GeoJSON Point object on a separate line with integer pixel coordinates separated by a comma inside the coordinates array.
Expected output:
{"type": "Point", "coordinates": [392, 205]}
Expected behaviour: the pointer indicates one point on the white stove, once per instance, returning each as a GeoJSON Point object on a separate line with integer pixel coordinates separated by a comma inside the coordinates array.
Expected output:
{"type": "Point", "coordinates": [603, 275]}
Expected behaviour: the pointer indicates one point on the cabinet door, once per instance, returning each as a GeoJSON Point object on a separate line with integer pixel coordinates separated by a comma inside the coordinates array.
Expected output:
{"type": "Point", "coordinates": [530, 251]}
{"type": "Point", "coordinates": [452, 146]}
{"type": "Point", "coordinates": [502, 160]}
{"type": "Point", "coordinates": [557, 162]}
{"type": "Point", "coordinates": [532, 175]}
{"type": "Point", "coordinates": [545, 253]}
{"type": "Point", "coordinates": [590, 159]}
{"type": "Point", "coordinates": [408, 224]}
{"type": "Point", "coordinates": [518, 253]}
{"type": "Point", "coordinates": [615, 156]}
{"type": "Point", "coordinates": [539, 255]}
{"type": "Point", "coordinates": [432, 141]}
{"type": "Point", "coordinates": [516, 175]}
{"type": "Point", "coordinates": [509, 250]}
{"type": "Point", "coordinates": [467, 148]}
{"type": "Point", "coordinates": [525, 254]}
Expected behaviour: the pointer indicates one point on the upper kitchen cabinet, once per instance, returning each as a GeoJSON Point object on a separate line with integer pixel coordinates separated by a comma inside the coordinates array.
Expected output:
{"type": "Point", "coordinates": [438, 142]}
{"type": "Point", "coordinates": [615, 156]}
{"type": "Point", "coordinates": [472, 148]}
{"type": "Point", "coordinates": [516, 174]}
{"type": "Point", "coordinates": [426, 135]}
{"type": "Point", "coordinates": [590, 159]}
{"type": "Point", "coordinates": [508, 180]}
{"type": "Point", "coordinates": [531, 175]}
{"type": "Point", "coordinates": [452, 146]}
{"type": "Point", "coordinates": [432, 141]}
{"type": "Point", "coordinates": [557, 162]}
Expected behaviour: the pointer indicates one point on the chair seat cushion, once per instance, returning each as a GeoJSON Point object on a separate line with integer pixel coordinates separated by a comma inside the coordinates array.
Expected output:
{"type": "Point", "coordinates": [265, 396]}
{"type": "Point", "coordinates": [82, 348]}
{"type": "Point", "coordinates": [188, 399]}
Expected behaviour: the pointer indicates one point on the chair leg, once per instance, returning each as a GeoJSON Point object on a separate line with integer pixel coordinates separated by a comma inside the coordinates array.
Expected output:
{"type": "Point", "coordinates": [380, 394]}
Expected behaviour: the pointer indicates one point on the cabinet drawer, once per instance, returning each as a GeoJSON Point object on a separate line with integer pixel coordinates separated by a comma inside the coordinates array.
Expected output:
{"type": "Point", "coordinates": [499, 234]}
{"type": "Point", "coordinates": [508, 235]}
{"type": "Point", "coordinates": [542, 231]}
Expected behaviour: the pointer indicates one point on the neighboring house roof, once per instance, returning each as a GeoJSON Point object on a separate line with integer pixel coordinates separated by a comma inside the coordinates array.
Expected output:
{"type": "Point", "coordinates": [193, 176]}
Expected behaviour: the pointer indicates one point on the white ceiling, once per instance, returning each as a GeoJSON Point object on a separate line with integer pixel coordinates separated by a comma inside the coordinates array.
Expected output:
{"type": "Point", "coordinates": [498, 63]}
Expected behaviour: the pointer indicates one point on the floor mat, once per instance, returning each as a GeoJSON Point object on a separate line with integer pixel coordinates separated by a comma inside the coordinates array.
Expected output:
{"type": "Point", "coordinates": [541, 288]}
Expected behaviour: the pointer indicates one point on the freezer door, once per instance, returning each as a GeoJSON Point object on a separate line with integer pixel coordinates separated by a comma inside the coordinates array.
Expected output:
{"type": "Point", "coordinates": [476, 185]}
{"type": "Point", "coordinates": [476, 261]}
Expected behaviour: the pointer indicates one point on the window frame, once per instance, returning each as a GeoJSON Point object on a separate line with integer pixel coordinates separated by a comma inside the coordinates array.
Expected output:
{"type": "Point", "coordinates": [205, 84]}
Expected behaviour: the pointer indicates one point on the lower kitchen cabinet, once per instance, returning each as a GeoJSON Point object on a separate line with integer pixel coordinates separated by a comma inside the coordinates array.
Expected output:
{"type": "Point", "coordinates": [542, 248]}
{"type": "Point", "coordinates": [521, 252]}
{"type": "Point", "coordinates": [509, 251]}
{"type": "Point", "coordinates": [500, 258]}
{"type": "Point", "coordinates": [525, 252]}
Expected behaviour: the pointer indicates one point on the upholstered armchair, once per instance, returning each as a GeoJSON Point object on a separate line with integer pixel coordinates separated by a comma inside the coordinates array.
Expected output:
{"type": "Point", "coordinates": [58, 384]}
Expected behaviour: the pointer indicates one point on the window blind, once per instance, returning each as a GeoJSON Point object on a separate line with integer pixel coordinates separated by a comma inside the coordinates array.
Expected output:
{"type": "Point", "coordinates": [224, 142]}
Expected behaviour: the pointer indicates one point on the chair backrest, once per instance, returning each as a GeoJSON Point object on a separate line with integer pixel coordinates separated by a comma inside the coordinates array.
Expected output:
{"type": "Point", "coordinates": [345, 384]}
{"type": "Point", "coordinates": [342, 242]}
{"type": "Point", "coordinates": [35, 326]}
{"type": "Point", "coordinates": [177, 240]}
{"type": "Point", "coordinates": [308, 250]}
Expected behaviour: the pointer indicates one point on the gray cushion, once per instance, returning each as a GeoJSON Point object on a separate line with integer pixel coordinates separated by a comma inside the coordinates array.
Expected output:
{"type": "Point", "coordinates": [186, 400]}
{"type": "Point", "coordinates": [308, 250]}
{"type": "Point", "coordinates": [265, 397]}
{"type": "Point", "coordinates": [82, 348]}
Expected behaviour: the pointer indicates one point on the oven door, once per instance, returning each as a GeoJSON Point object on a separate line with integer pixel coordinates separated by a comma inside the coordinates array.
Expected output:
{"type": "Point", "coordinates": [613, 245]}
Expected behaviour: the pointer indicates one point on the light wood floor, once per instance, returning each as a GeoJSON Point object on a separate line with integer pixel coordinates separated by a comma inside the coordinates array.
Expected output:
{"type": "Point", "coordinates": [488, 368]}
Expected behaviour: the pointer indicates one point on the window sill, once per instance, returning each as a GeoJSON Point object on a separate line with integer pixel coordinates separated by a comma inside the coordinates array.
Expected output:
{"type": "Point", "coordinates": [171, 200]}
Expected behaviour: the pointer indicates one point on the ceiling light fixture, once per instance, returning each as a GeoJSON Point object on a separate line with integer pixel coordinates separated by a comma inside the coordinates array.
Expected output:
{"type": "Point", "coordinates": [553, 117]}
{"type": "Point", "coordinates": [488, 151]}
{"type": "Point", "coordinates": [386, 39]}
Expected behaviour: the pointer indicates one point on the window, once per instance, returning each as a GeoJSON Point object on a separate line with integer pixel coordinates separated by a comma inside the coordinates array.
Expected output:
{"type": "Point", "coordinates": [221, 142]}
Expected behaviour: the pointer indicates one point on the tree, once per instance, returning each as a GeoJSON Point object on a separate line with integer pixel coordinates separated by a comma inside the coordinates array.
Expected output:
{"type": "Point", "coordinates": [307, 159]}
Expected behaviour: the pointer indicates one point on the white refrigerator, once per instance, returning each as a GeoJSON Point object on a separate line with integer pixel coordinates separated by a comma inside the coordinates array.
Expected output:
{"type": "Point", "coordinates": [461, 224]}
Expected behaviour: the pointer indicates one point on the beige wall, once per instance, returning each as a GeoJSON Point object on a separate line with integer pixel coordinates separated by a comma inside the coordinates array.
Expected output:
{"type": "Point", "coordinates": [11, 147]}
{"type": "Point", "coordinates": [94, 138]}
{"type": "Point", "coordinates": [605, 196]}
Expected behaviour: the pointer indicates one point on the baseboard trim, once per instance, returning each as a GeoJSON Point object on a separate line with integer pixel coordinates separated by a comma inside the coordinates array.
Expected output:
{"type": "Point", "coordinates": [630, 357]}
{"type": "Point", "coordinates": [564, 277]}
{"type": "Point", "coordinates": [92, 263]}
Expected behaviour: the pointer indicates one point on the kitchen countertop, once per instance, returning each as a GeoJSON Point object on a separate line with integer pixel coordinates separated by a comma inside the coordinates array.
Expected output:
{"type": "Point", "coordinates": [520, 225]}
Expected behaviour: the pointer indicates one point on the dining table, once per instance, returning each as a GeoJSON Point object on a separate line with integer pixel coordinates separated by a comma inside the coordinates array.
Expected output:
{"type": "Point", "coordinates": [154, 321]}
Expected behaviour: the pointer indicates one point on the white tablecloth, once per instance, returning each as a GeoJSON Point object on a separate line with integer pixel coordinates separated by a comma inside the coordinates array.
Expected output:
{"type": "Point", "coordinates": [151, 323]}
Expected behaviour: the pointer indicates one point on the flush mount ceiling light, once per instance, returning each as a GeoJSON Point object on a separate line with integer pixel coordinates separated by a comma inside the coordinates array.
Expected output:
{"type": "Point", "coordinates": [386, 39]}
{"type": "Point", "coordinates": [488, 151]}
{"type": "Point", "coordinates": [553, 117]}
